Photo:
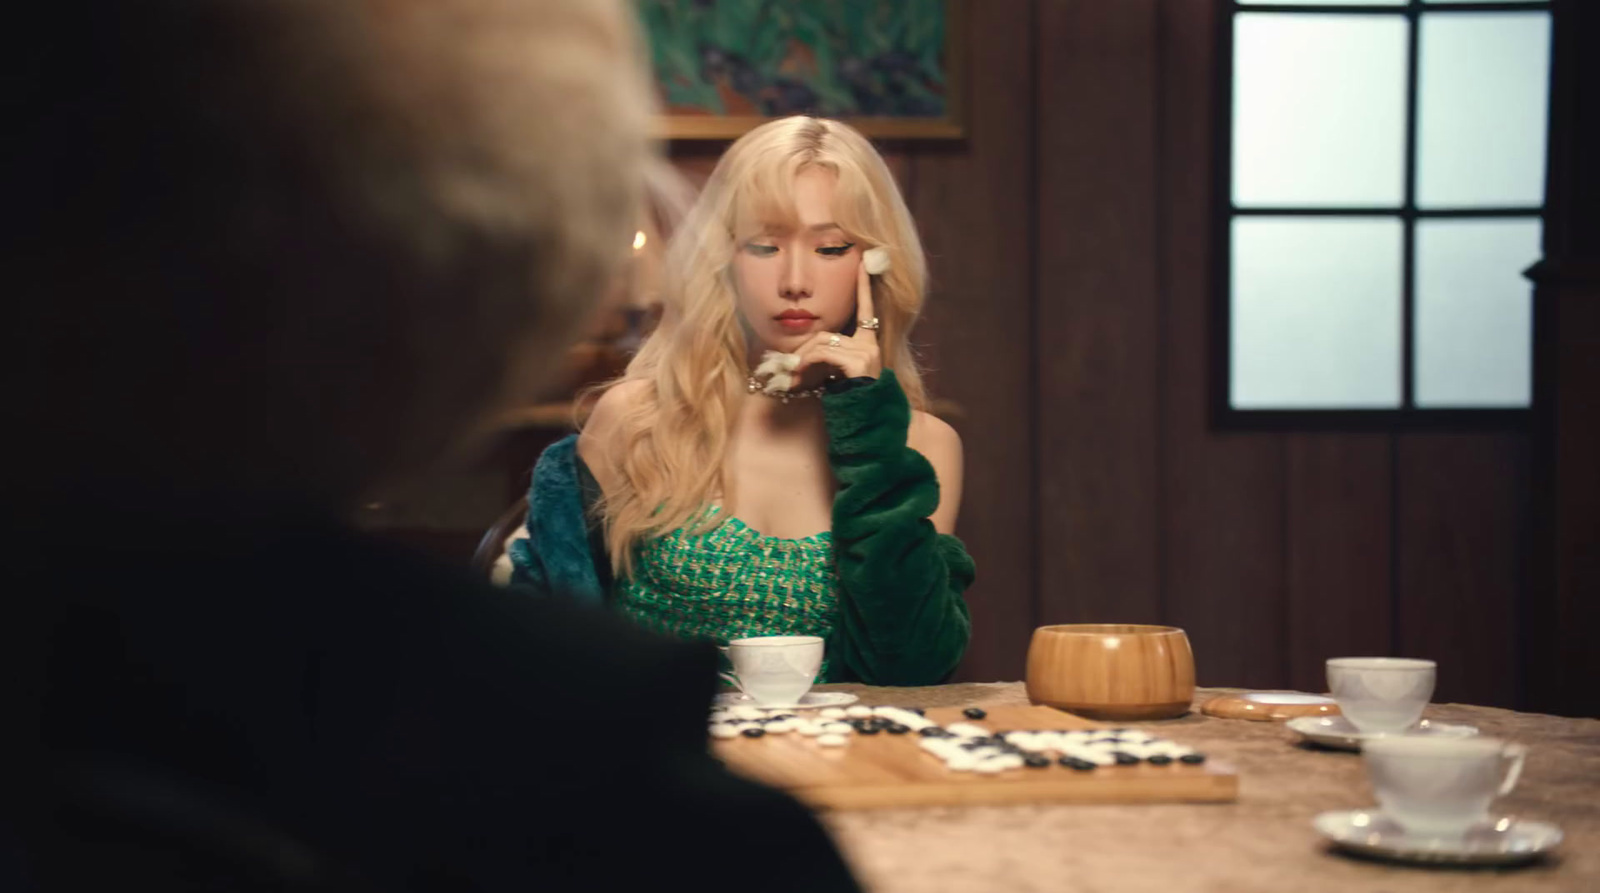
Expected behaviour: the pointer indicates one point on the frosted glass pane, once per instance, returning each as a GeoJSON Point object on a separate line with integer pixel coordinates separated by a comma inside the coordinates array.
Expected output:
{"type": "Point", "coordinates": [1483, 83]}
{"type": "Point", "coordinates": [1316, 313]}
{"type": "Point", "coordinates": [1319, 110]}
{"type": "Point", "coordinates": [1474, 322]}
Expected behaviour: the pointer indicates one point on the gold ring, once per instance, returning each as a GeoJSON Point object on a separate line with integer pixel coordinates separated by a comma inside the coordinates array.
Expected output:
{"type": "Point", "coordinates": [834, 341]}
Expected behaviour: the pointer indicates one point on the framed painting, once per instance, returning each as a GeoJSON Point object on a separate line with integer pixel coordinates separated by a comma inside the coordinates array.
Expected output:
{"type": "Point", "coordinates": [892, 68]}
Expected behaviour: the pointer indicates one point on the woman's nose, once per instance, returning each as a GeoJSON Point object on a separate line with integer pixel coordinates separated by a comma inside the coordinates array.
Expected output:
{"type": "Point", "coordinates": [795, 281]}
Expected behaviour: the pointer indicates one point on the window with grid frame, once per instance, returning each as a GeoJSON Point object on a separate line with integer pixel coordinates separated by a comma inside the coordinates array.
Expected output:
{"type": "Point", "coordinates": [1384, 175]}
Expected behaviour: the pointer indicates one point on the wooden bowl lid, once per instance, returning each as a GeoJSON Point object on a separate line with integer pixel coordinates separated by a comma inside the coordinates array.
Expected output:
{"type": "Point", "coordinates": [1269, 706]}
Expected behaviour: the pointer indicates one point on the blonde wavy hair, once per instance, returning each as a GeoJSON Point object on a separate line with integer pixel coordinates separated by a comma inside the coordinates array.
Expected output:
{"type": "Point", "coordinates": [670, 442]}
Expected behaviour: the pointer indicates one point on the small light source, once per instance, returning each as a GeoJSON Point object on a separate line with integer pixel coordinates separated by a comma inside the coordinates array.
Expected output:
{"type": "Point", "coordinates": [639, 240]}
{"type": "Point", "coordinates": [1360, 820]}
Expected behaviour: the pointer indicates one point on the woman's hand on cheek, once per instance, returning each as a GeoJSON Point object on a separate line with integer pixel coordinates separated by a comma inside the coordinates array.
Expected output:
{"type": "Point", "coordinates": [855, 356]}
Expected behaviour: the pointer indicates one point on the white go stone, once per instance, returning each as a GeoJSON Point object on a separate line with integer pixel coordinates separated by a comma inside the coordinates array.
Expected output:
{"type": "Point", "coordinates": [990, 767]}
{"type": "Point", "coordinates": [913, 721]}
{"type": "Point", "coordinates": [1028, 741]}
{"type": "Point", "coordinates": [723, 730]}
{"type": "Point", "coordinates": [743, 712]}
{"type": "Point", "coordinates": [780, 727]}
{"type": "Point", "coordinates": [831, 713]}
{"type": "Point", "coordinates": [809, 729]}
{"type": "Point", "coordinates": [967, 730]}
{"type": "Point", "coordinates": [902, 716]}
{"type": "Point", "coordinates": [858, 711]}
{"type": "Point", "coordinates": [961, 763]}
{"type": "Point", "coordinates": [838, 728]}
{"type": "Point", "coordinates": [1052, 741]}
{"type": "Point", "coordinates": [832, 740]}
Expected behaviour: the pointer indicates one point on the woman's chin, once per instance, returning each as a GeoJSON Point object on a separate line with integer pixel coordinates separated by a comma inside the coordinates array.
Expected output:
{"type": "Point", "coordinates": [783, 342]}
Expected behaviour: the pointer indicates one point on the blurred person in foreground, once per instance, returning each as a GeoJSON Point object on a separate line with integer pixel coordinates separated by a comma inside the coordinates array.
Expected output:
{"type": "Point", "coordinates": [266, 255]}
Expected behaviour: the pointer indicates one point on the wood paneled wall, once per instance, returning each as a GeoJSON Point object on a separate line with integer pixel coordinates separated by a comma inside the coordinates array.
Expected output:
{"type": "Point", "coordinates": [1070, 243]}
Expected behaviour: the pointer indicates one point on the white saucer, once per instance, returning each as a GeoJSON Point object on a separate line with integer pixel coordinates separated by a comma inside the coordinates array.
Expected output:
{"type": "Point", "coordinates": [1502, 842]}
{"type": "Point", "coordinates": [809, 701]}
{"type": "Point", "coordinates": [1339, 733]}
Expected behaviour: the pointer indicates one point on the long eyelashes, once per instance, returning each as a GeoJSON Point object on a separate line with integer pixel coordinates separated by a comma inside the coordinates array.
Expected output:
{"type": "Point", "coordinates": [755, 250]}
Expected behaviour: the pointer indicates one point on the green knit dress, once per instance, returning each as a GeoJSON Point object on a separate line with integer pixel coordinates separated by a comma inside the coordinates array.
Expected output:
{"type": "Point", "coordinates": [731, 582]}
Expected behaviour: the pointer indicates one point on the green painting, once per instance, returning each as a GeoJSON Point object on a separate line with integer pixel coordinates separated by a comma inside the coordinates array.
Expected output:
{"type": "Point", "coordinates": [888, 66]}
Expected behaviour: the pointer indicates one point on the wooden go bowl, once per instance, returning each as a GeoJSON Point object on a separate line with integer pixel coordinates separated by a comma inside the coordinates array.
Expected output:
{"type": "Point", "coordinates": [1113, 671]}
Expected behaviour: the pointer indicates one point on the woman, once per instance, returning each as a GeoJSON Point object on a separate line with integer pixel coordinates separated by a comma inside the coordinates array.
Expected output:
{"type": "Point", "coordinates": [721, 507]}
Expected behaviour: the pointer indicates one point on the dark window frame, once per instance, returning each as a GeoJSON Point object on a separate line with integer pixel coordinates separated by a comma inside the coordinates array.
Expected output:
{"type": "Point", "coordinates": [1408, 416]}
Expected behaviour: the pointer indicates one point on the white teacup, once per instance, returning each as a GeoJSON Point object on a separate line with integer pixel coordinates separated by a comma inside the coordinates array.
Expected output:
{"type": "Point", "coordinates": [774, 669]}
{"type": "Point", "coordinates": [1381, 694]}
{"type": "Point", "coordinates": [1440, 787]}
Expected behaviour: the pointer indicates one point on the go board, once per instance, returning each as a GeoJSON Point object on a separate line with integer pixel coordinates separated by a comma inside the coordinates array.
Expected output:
{"type": "Point", "coordinates": [895, 770]}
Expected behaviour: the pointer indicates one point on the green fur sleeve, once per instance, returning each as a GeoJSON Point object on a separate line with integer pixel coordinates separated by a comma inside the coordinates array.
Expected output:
{"type": "Point", "coordinates": [902, 617]}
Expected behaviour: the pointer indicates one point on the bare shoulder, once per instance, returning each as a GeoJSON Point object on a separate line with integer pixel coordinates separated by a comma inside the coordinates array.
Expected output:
{"type": "Point", "coordinates": [941, 446]}
{"type": "Point", "coordinates": [614, 404]}
{"type": "Point", "coordinates": [605, 420]}
{"type": "Point", "coordinates": [933, 437]}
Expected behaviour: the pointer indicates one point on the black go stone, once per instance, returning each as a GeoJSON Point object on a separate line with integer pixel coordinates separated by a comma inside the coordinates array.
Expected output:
{"type": "Point", "coordinates": [868, 729]}
{"type": "Point", "coordinates": [1193, 759]}
{"type": "Point", "coordinates": [1075, 763]}
{"type": "Point", "coordinates": [897, 729]}
{"type": "Point", "coordinates": [1035, 761]}
{"type": "Point", "coordinates": [1125, 759]}
{"type": "Point", "coordinates": [974, 713]}
{"type": "Point", "coordinates": [933, 732]}
{"type": "Point", "coordinates": [918, 711]}
{"type": "Point", "coordinates": [753, 733]}
{"type": "Point", "coordinates": [1160, 759]}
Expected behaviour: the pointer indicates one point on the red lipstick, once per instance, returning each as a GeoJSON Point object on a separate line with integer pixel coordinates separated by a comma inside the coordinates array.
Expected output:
{"type": "Point", "coordinates": [796, 320]}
